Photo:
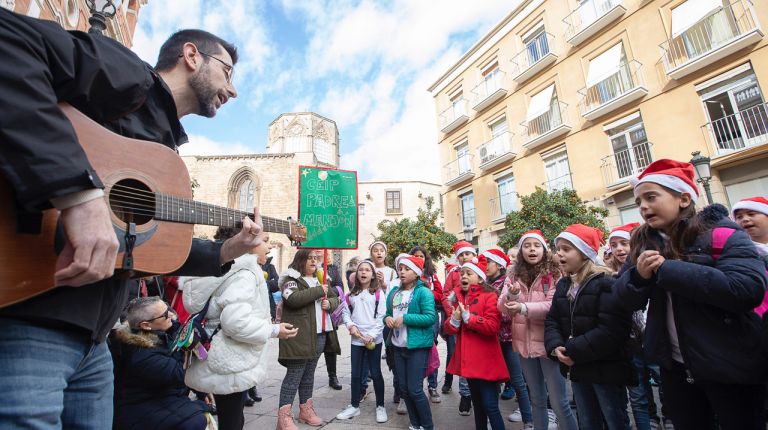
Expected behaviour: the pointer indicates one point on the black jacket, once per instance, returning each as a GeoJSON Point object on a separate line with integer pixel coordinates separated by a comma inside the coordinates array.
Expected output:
{"type": "Point", "coordinates": [593, 332]}
{"type": "Point", "coordinates": [271, 284]}
{"type": "Point", "coordinates": [712, 301]}
{"type": "Point", "coordinates": [150, 393]}
{"type": "Point", "coordinates": [41, 159]}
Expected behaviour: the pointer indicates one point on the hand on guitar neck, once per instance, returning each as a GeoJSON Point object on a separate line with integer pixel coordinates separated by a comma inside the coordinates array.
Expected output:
{"type": "Point", "coordinates": [242, 243]}
{"type": "Point", "coordinates": [89, 253]}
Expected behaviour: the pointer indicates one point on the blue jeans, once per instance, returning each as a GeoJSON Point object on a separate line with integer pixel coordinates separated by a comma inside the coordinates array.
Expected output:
{"type": "Point", "coordinates": [53, 378]}
{"type": "Point", "coordinates": [485, 398]}
{"type": "Point", "coordinates": [364, 359]}
{"type": "Point", "coordinates": [639, 394]}
{"type": "Point", "coordinates": [595, 402]}
{"type": "Point", "coordinates": [543, 375]}
{"type": "Point", "coordinates": [411, 365]}
{"type": "Point", "coordinates": [512, 359]}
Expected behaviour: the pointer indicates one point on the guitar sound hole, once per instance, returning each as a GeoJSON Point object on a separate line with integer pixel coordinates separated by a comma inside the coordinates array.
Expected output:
{"type": "Point", "coordinates": [132, 201]}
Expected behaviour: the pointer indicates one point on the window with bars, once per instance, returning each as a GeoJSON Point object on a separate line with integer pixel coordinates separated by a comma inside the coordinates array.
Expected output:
{"type": "Point", "coordinates": [393, 202]}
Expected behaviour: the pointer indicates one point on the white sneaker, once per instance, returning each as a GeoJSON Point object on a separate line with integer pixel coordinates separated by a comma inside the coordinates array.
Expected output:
{"type": "Point", "coordinates": [381, 414]}
{"type": "Point", "coordinates": [348, 413]}
{"type": "Point", "coordinates": [401, 408]}
{"type": "Point", "coordinates": [515, 416]}
{"type": "Point", "coordinates": [552, 425]}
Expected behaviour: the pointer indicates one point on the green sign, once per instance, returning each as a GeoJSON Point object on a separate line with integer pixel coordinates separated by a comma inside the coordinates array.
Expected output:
{"type": "Point", "coordinates": [328, 207]}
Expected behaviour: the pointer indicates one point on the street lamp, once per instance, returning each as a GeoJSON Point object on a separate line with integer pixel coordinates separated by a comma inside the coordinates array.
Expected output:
{"type": "Point", "coordinates": [703, 172]}
{"type": "Point", "coordinates": [100, 11]}
{"type": "Point", "coordinates": [469, 233]}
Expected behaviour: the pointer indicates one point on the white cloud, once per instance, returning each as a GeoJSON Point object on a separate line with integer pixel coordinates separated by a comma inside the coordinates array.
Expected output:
{"type": "Point", "coordinates": [201, 145]}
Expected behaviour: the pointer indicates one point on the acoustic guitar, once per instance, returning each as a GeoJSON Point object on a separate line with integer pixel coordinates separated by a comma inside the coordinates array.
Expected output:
{"type": "Point", "coordinates": [149, 193]}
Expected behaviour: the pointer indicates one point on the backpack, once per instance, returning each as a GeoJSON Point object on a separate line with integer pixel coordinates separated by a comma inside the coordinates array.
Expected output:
{"type": "Point", "coordinates": [192, 338]}
{"type": "Point", "coordinates": [376, 306]}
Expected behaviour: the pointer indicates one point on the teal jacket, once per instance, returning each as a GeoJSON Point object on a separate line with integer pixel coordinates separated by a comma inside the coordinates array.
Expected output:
{"type": "Point", "coordinates": [420, 316]}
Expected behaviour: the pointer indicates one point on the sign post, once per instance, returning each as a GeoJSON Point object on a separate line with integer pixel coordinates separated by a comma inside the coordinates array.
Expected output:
{"type": "Point", "coordinates": [328, 207]}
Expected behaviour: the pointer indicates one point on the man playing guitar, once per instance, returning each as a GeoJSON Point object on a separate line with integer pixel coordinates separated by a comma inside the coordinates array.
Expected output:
{"type": "Point", "coordinates": [54, 364]}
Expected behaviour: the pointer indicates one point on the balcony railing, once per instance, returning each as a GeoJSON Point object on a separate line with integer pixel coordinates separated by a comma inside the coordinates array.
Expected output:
{"type": "Point", "coordinates": [537, 55]}
{"type": "Point", "coordinates": [590, 17]}
{"type": "Point", "coordinates": [468, 218]}
{"type": "Point", "coordinates": [560, 183]}
{"type": "Point", "coordinates": [547, 126]}
{"type": "Point", "coordinates": [454, 116]}
{"type": "Point", "coordinates": [503, 205]}
{"type": "Point", "coordinates": [489, 91]}
{"type": "Point", "coordinates": [458, 170]}
{"type": "Point", "coordinates": [496, 151]}
{"type": "Point", "coordinates": [625, 164]}
{"type": "Point", "coordinates": [744, 129]}
{"type": "Point", "coordinates": [613, 91]}
{"type": "Point", "coordinates": [719, 34]}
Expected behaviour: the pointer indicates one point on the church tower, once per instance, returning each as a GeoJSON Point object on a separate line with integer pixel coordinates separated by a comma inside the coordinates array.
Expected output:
{"type": "Point", "coordinates": [305, 133]}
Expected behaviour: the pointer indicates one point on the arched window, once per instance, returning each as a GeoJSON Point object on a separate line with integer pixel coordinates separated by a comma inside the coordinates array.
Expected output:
{"type": "Point", "coordinates": [246, 196]}
{"type": "Point", "coordinates": [244, 189]}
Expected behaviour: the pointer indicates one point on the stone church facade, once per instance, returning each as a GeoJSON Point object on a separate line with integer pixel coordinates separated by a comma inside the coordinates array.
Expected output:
{"type": "Point", "coordinates": [268, 181]}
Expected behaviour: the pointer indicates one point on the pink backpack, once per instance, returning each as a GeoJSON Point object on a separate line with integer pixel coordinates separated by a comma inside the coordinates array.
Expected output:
{"type": "Point", "coordinates": [720, 236]}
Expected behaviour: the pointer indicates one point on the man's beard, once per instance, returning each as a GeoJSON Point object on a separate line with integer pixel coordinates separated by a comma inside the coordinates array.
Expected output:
{"type": "Point", "coordinates": [205, 93]}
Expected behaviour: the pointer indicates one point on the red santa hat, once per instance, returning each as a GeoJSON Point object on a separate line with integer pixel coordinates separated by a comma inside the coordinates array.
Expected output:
{"type": "Point", "coordinates": [536, 234]}
{"type": "Point", "coordinates": [757, 204]}
{"type": "Point", "coordinates": [461, 247]}
{"type": "Point", "coordinates": [623, 231]}
{"type": "Point", "coordinates": [675, 175]}
{"type": "Point", "coordinates": [414, 263]}
{"type": "Point", "coordinates": [477, 265]}
{"type": "Point", "coordinates": [497, 256]}
{"type": "Point", "coordinates": [585, 238]}
{"type": "Point", "coordinates": [378, 242]}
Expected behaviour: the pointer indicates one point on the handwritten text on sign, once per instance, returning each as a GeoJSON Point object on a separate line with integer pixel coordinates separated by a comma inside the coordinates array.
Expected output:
{"type": "Point", "coordinates": [328, 207]}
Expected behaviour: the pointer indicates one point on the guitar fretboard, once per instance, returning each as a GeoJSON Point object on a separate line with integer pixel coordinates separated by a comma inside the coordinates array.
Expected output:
{"type": "Point", "coordinates": [170, 208]}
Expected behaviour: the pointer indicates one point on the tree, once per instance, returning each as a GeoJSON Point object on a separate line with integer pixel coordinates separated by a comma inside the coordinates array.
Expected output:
{"type": "Point", "coordinates": [550, 212]}
{"type": "Point", "coordinates": [402, 235]}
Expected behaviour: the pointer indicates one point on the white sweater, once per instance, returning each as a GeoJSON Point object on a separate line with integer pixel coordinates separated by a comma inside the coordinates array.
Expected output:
{"type": "Point", "coordinates": [240, 305]}
{"type": "Point", "coordinates": [360, 314]}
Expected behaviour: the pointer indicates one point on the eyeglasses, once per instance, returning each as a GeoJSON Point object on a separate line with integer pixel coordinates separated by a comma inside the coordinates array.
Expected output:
{"type": "Point", "coordinates": [229, 69]}
{"type": "Point", "coordinates": [164, 315]}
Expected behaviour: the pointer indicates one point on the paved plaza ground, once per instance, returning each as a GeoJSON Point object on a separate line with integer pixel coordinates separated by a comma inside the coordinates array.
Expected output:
{"type": "Point", "coordinates": [329, 402]}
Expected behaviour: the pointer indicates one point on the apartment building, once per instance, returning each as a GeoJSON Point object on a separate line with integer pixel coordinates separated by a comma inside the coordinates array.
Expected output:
{"type": "Point", "coordinates": [584, 94]}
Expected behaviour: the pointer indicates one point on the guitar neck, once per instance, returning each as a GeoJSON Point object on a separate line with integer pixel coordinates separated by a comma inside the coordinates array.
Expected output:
{"type": "Point", "coordinates": [175, 209]}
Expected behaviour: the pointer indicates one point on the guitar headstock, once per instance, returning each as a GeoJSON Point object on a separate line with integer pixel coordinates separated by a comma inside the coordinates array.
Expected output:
{"type": "Point", "coordinates": [298, 233]}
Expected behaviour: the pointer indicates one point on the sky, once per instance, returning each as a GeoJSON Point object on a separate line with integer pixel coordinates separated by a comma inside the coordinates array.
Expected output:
{"type": "Point", "coordinates": [364, 64]}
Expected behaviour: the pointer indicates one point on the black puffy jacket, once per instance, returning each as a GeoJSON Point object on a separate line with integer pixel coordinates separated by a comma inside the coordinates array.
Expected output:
{"type": "Point", "coordinates": [594, 331]}
{"type": "Point", "coordinates": [712, 302]}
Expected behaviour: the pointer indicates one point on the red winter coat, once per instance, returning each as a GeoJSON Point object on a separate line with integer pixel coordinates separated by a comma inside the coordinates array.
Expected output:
{"type": "Point", "coordinates": [478, 352]}
{"type": "Point", "coordinates": [452, 281]}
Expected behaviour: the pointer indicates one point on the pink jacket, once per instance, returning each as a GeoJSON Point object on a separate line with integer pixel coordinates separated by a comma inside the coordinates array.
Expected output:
{"type": "Point", "coordinates": [528, 331]}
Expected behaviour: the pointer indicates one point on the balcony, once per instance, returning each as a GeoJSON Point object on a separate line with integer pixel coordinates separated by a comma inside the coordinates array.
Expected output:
{"type": "Point", "coordinates": [591, 17]}
{"type": "Point", "coordinates": [501, 206]}
{"type": "Point", "coordinates": [491, 90]}
{"type": "Point", "coordinates": [458, 170]}
{"type": "Point", "coordinates": [738, 131]}
{"type": "Point", "coordinates": [550, 125]}
{"type": "Point", "coordinates": [618, 168]}
{"type": "Point", "coordinates": [536, 56]}
{"type": "Point", "coordinates": [454, 116]}
{"type": "Point", "coordinates": [558, 184]}
{"type": "Point", "coordinates": [496, 151]}
{"type": "Point", "coordinates": [468, 219]}
{"type": "Point", "coordinates": [612, 92]}
{"type": "Point", "coordinates": [719, 34]}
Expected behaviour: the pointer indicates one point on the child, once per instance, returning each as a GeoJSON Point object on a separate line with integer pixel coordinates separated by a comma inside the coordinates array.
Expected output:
{"type": "Point", "coordinates": [587, 334]}
{"type": "Point", "coordinates": [751, 214]}
{"type": "Point", "coordinates": [307, 305]}
{"type": "Point", "coordinates": [433, 283]}
{"type": "Point", "coordinates": [238, 318]}
{"type": "Point", "coordinates": [496, 274]}
{"type": "Point", "coordinates": [526, 298]}
{"type": "Point", "coordinates": [384, 273]}
{"type": "Point", "coordinates": [464, 252]}
{"type": "Point", "coordinates": [410, 316]}
{"type": "Point", "coordinates": [640, 395]}
{"type": "Point", "coordinates": [701, 326]}
{"type": "Point", "coordinates": [362, 317]}
{"type": "Point", "coordinates": [475, 321]}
